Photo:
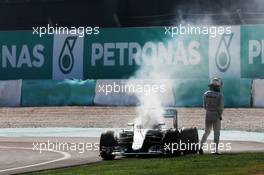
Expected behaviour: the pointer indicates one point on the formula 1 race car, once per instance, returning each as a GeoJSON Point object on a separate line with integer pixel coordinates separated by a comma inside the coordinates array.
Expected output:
{"type": "Point", "coordinates": [155, 141]}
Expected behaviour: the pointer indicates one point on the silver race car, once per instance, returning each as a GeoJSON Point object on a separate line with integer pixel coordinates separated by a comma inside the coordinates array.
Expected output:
{"type": "Point", "coordinates": [158, 140]}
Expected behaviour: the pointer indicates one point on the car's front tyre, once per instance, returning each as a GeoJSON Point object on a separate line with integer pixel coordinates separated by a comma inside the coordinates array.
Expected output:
{"type": "Point", "coordinates": [107, 144]}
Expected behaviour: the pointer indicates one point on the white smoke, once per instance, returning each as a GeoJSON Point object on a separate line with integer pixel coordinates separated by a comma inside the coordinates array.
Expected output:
{"type": "Point", "coordinates": [151, 107]}
{"type": "Point", "coordinates": [154, 70]}
{"type": "Point", "coordinates": [151, 104]}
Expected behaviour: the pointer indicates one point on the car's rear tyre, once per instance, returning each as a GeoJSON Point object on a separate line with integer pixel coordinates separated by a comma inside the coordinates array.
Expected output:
{"type": "Point", "coordinates": [189, 140]}
{"type": "Point", "coordinates": [170, 143]}
{"type": "Point", "coordinates": [107, 144]}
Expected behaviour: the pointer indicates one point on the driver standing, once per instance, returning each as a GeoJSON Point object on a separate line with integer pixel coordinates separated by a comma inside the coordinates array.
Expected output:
{"type": "Point", "coordinates": [213, 102]}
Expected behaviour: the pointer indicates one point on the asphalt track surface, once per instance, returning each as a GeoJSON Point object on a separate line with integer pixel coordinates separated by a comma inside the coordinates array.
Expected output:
{"type": "Point", "coordinates": [18, 154]}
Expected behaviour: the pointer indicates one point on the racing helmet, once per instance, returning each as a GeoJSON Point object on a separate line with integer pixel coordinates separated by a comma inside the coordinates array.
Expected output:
{"type": "Point", "coordinates": [216, 82]}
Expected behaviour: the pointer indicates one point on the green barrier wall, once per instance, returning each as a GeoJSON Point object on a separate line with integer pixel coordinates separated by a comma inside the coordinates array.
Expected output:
{"type": "Point", "coordinates": [57, 93]}
{"type": "Point", "coordinates": [237, 93]}
{"type": "Point", "coordinates": [189, 92]}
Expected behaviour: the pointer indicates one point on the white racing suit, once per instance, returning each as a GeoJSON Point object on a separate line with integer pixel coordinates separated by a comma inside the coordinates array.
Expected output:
{"type": "Point", "coordinates": [214, 104]}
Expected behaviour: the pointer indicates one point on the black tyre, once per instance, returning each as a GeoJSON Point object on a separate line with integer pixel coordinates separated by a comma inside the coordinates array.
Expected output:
{"type": "Point", "coordinates": [189, 140]}
{"type": "Point", "coordinates": [107, 144]}
{"type": "Point", "coordinates": [170, 143]}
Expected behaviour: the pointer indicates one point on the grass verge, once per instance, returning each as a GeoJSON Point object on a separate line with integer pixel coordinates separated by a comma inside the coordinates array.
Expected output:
{"type": "Point", "coordinates": [226, 164]}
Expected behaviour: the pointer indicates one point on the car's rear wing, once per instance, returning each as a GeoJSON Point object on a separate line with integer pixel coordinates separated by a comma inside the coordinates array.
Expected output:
{"type": "Point", "coordinates": [172, 113]}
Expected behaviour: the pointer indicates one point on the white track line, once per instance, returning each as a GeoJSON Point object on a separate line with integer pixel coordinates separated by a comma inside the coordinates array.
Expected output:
{"type": "Point", "coordinates": [65, 156]}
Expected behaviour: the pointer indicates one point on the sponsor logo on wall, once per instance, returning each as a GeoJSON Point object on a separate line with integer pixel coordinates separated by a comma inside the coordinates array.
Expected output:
{"type": "Point", "coordinates": [24, 57]}
{"type": "Point", "coordinates": [252, 51]}
{"type": "Point", "coordinates": [67, 57]}
{"type": "Point", "coordinates": [224, 55]}
{"type": "Point", "coordinates": [110, 56]}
